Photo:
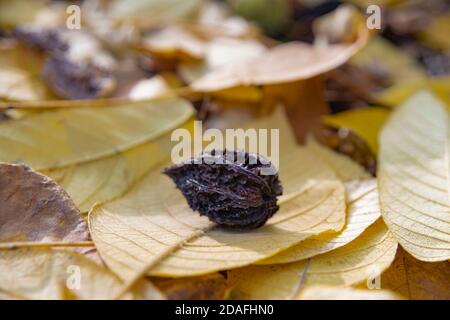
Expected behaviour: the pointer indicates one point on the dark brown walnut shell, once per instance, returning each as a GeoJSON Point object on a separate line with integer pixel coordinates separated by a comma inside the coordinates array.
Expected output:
{"type": "Point", "coordinates": [73, 81]}
{"type": "Point", "coordinates": [66, 78]}
{"type": "Point", "coordinates": [345, 141]}
{"type": "Point", "coordinates": [233, 194]}
{"type": "Point", "coordinates": [44, 40]}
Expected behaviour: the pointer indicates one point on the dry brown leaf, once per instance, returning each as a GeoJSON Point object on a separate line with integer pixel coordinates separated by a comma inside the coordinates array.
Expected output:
{"type": "Point", "coordinates": [174, 42]}
{"type": "Point", "coordinates": [415, 279]}
{"type": "Point", "coordinates": [304, 102]}
{"type": "Point", "coordinates": [210, 287]}
{"type": "Point", "coordinates": [288, 62]}
{"type": "Point", "coordinates": [34, 208]}
{"type": "Point", "coordinates": [365, 122]}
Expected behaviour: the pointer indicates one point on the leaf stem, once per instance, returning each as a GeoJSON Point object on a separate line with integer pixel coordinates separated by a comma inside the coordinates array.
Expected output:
{"type": "Point", "coordinates": [90, 103]}
{"type": "Point", "coordinates": [34, 244]}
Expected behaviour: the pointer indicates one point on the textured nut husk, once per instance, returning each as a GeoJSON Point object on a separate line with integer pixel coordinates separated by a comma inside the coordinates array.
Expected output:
{"type": "Point", "coordinates": [232, 194]}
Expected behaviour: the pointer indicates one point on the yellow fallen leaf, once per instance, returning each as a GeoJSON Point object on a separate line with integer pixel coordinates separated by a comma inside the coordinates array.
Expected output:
{"type": "Point", "coordinates": [382, 57]}
{"type": "Point", "coordinates": [342, 293]}
{"type": "Point", "coordinates": [249, 94]}
{"type": "Point", "coordinates": [128, 232]}
{"type": "Point", "coordinates": [396, 95]}
{"type": "Point", "coordinates": [365, 3]}
{"type": "Point", "coordinates": [101, 180]}
{"type": "Point", "coordinates": [13, 13]}
{"type": "Point", "coordinates": [363, 210]}
{"type": "Point", "coordinates": [143, 13]}
{"type": "Point", "coordinates": [436, 34]}
{"type": "Point", "coordinates": [47, 274]}
{"type": "Point", "coordinates": [284, 63]}
{"type": "Point", "coordinates": [365, 122]}
{"type": "Point", "coordinates": [372, 252]}
{"type": "Point", "coordinates": [413, 177]}
{"type": "Point", "coordinates": [345, 168]}
{"type": "Point", "coordinates": [71, 136]}
{"type": "Point", "coordinates": [151, 229]}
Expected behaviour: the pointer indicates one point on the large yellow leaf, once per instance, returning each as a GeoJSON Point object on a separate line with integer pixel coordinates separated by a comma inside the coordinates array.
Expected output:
{"type": "Point", "coordinates": [284, 63]}
{"type": "Point", "coordinates": [104, 179]}
{"type": "Point", "coordinates": [365, 122]}
{"type": "Point", "coordinates": [345, 168]}
{"type": "Point", "coordinates": [67, 137]}
{"type": "Point", "coordinates": [152, 228]}
{"type": "Point", "coordinates": [339, 293]}
{"type": "Point", "coordinates": [353, 263]}
{"type": "Point", "coordinates": [47, 274]}
{"type": "Point", "coordinates": [399, 93]}
{"type": "Point", "coordinates": [413, 177]}
{"type": "Point", "coordinates": [13, 13]}
{"type": "Point", "coordinates": [150, 11]}
{"type": "Point", "coordinates": [436, 34]}
{"type": "Point", "coordinates": [153, 221]}
{"type": "Point", "coordinates": [362, 210]}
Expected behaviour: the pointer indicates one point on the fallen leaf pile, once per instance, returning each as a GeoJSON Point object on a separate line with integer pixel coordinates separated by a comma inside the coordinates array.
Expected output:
{"type": "Point", "coordinates": [86, 122]}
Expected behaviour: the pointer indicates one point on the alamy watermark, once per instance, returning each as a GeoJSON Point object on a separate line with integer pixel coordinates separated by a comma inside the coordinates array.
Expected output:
{"type": "Point", "coordinates": [73, 20]}
{"type": "Point", "coordinates": [373, 277]}
{"type": "Point", "coordinates": [374, 17]}
{"type": "Point", "coordinates": [73, 281]}
{"type": "Point", "coordinates": [254, 141]}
